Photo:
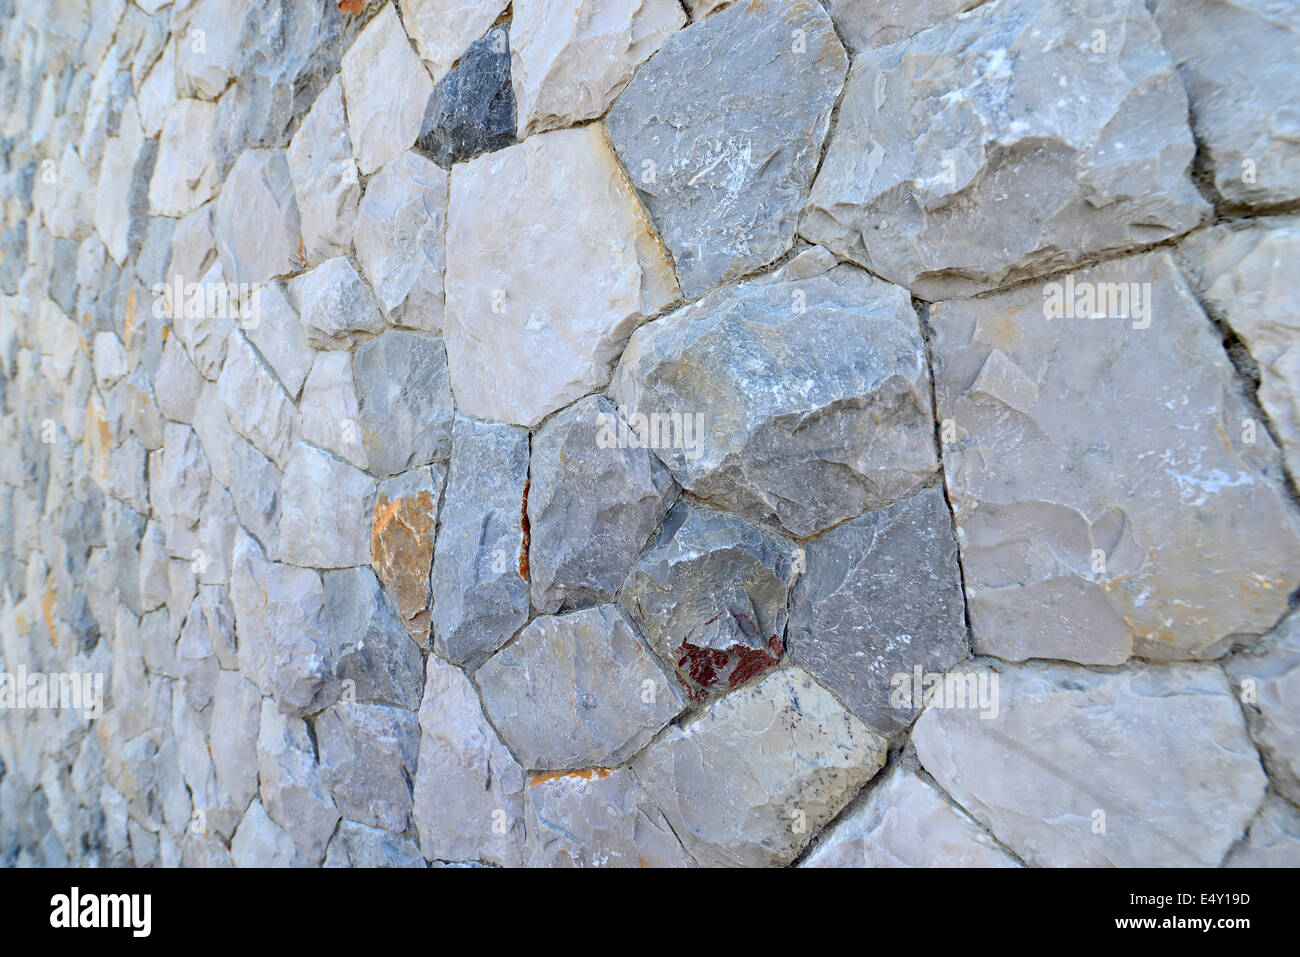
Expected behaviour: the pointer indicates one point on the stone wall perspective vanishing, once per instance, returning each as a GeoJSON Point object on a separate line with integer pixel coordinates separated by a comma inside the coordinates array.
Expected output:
{"type": "Point", "coordinates": [649, 433]}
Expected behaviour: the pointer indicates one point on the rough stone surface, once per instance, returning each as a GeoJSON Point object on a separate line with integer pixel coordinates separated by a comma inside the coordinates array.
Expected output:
{"type": "Point", "coordinates": [443, 29]}
{"type": "Point", "coordinates": [256, 220]}
{"type": "Point", "coordinates": [865, 24]}
{"type": "Point", "coordinates": [1177, 793]}
{"type": "Point", "coordinates": [1268, 683]}
{"type": "Point", "coordinates": [401, 543]}
{"type": "Point", "coordinates": [472, 108]}
{"type": "Point", "coordinates": [722, 138]}
{"type": "Point", "coordinates": [368, 756]}
{"type": "Point", "coordinates": [516, 349]}
{"type": "Point", "coordinates": [848, 428]}
{"type": "Point", "coordinates": [1273, 839]}
{"type": "Point", "coordinates": [404, 401]}
{"type": "Point", "coordinates": [355, 845]}
{"type": "Point", "coordinates": [325, 507]}
{"type": "Point", "coordinates": [335, 306]}
{"type": "Point", "coordinates": [577, 690]}
{"type": "Point", "coordinates": [855, 621]}
{"type": "Point", "coordinates": [1005, 124]}
{"type": "Point", "coordinates": [1148, 526]}
{"type": "Point", "coordinates": [748, 782]}
{"type": "Point", "coordinates": [324, 177]}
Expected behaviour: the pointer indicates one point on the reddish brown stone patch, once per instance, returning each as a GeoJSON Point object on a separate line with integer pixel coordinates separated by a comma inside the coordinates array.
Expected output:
{"type": "Point", "coordinates": [523, 524]}
{"type": "Point", "coordinates": [706, 671]}
{"type": "Point", "coordinates": [401, 549]}
{"type": "Point", "coordinates": [587, 775]}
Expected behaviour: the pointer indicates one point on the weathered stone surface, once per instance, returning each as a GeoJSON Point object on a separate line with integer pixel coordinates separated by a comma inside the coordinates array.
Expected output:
{"type": "Point", "coordinates": [577, 690]}
{"type": "Point", "coordinates": [442, 29]}
{"type": "Point", "coordinates": [1268, 683]}
{"type": "Point", "coordinates": [468, 789]}
{"type": "Point", "coordinates": [855, 618]}
{"type": "Point", "coordinates": [185, 175]}
{"type": "Point", "coordinates": [1160, 751]}
{"type": "Point", "coordinates": [472, 108]}
{"type": "Point", "coordinates": [400, 240]}
{"type": "Point", "coordinates": [325, 509]}
{"type": "Point", "coordinates": [404, 401]}
{"type": "Point", "coordinates": [356, 845]}
{"type": "Point", "coordinates": [569, 59]}
{"type": "Point", "coordinates": [290, 782]}
{"type": "Point", "coordinates": [1004, 123]}
{"type": "Point", "coordinates": [865, 24]}
{"type": "Point", "coordinates": [722, 138]}
{"type": "Point", "coordinates": [260, 842]}
{"type": "Point", "coordinates": [256, 404]}
{"type": "Point", "coordinates": [1273, 839]}
{"type": "Point", "coordinates": [1237, 58]}
{"type": "Point", "coordinates": [236, 713]}
{"type": "Point", "coordinates": [1097, 468]}
{"type": "Point", "coordinates": [256, 220]}
{"type": "Point", "coordinates": [121, 196]}
{"type": "Point", "coordinates": [516, 348]}
{"type": "Point", "coordinates": [257, 495]}
{"type": "Point", "coordinates": [1242, 277]}
{"type": "Point", "coordinates": [597, 818]}
{"type": "Point", "coordinates": [371, 656]}
{"type": "Point", "coordinates": [712, 594]}
{"type": "Point", "coordinates": [848, 427]}
{"type": "Point", "coordinates": [280, 337]}
{"type": "Point", "coordinates": [401, 543]}
{"type": "Point", "coordinates": [325, 177]}
{"type": "Point", "coordinates": [905, 823]}
{"type": "Point", "coordinates": [592, 506]}
{"type": "Point", "coordinates": [207, 63]}
{"type": "Point", "coordinates": [748, 782]}
{"type": "Point", "coordinates": [386, 89]}
{"type": "Point", "coordinates": [335, 306]}
{"type": "Point", "coordinates": [479, 585]}
{"type": "Point", "coordinates": [368, 759]}
{"type": "Point", "coordinates": [328, 409]}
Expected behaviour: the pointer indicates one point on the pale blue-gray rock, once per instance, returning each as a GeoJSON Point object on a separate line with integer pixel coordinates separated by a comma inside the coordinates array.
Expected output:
{"type": "Point", "coordinates": [404, 401]}
{"type": "Point", "coordinates": [289, 781]}
{"type": "Point", "coordinates": [356, 845]}
{"type": "Point", "coordinates": [372, 657]}
{"type": "Point", "coordinates": [368, 758]}
{"type": "Point", "coordinates": [337, 309]}
{"type": "Point", "coordinates": [1268, 686]}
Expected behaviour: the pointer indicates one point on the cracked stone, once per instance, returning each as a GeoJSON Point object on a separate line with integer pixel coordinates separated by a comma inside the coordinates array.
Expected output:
{"type": "Point", "coordinates": [256, 404]}
{"type": "Point", "coordinates": [335, 306]}
{"type": "Point", "coordinates": [1273, 839]}
{"type": "Point", "coordinates": [1268, 681]}
{"type": "Point", "coordinates": [290, 780]}
{"type": "Point", "coordinates": [865, 24]}
{"type": "Point", "coordinates": [328, 408]}
{"type": "Point", "coordinates": [256, 220]}
{"type": "Point", "coordinates": [356, 845]}
{"type": "Point", "coordinates": [442, 29]}
{"type": "Point", "coordinates": [372, 657]}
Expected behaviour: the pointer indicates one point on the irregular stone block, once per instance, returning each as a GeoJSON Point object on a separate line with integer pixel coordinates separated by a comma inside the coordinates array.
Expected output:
{"type": "Point", "coordinates": [1268, 684]}
{"type": "Point", "coordinates": [236, 713]}
{"type": "Point", "coordinates": [855, 618]}
{"type": "Point", "coordinates": [1148, 525]}
{"type": "Point", "coordinates": [355, 845]}
{"type": "Point", "coordinates": [335, 306]}
{"type": "Point", "coordinates": [280, 337]}
{"type": "Point", "coordinates": [597, 818]}
{"type": "Point", "coordinates": [1004, 123]}
{"type": "Point", "coordinates": [516, 348]}
{"type": "Point", "coordinates": [722, 137]}
{"type": "Point", "coordinates": [1146, 767]}
{"type": "Point", "coordinates": [442, 29]}
{"type": "Point", "coordinates": [712, 594]}
{"type": "Point", "coordinates": [260, 842]}
{"type": "Point", "coordinates": [185, 174]}
{"type": "Point", "coordinates": [325, 509]}
{"type": "Point", "coordinates": [847, 427]}
{"type": "Point", "coordinates": [479, 585]}
{"type": "Point", "coordinates": [751, 780]}
{"type": "Point", "coordinates": [404, 400]}
{"type": "Point", "coordinates": [472, 108]}
{"type": "Point", "coordinates": [570, 59]}
{"type": "Point", "coordinates": [256, 220]}
{"type": "Point", "coordinates": [905, 823]}
{"type": "Point", "coordinates": [256, 404]}
{"type": "Point", "coordinates": [577, 690]}
{"type": "Point", "coordinates": [328, 410]}
{"type": "Point", "coordinates": [468, 789]}
{"type": "Point", "coordinates": [1273, 839]}
{"type": "Point", "coordinates": [368, 759]}
{"type": "Point", "coordinates": [401, 543]}
{"type": "Point", "coordinates": [325, 177]}
{"type": "Point", "coordinates": [592, 505]}
{"type": "Point", "coordinates": [371, 657]}
{"type": "Point", "coordinates": [290, 782]}
{"type": "Point", "coordinates": [865, 24]}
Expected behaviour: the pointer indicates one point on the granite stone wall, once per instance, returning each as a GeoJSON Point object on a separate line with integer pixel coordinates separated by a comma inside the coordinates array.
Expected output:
{"type": "Point", "coordinates": [649, 433]}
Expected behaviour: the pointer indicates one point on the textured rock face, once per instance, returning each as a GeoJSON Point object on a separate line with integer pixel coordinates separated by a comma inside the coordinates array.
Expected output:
{"type": "Point", "coordinates": [516, 349]}
{"type": "Point", "coordinates": [597, 818]}
{"type": "Point", "coordinates": [1273, 839]}
{"type": "Point", "coordinates": [905, 823]}
{"type": "Point", "coordinates": [1148, 525]}
{"type": "Point", "coordinates": [577, 690]}
{"type": "Point", "coordinates": [865, 24]}
{"type": "Point", "coordinates": [849, 427]}
{"type": "Point", "coordinates": [368, 757]}
{"type": "Point", "coordinates": [1003, 117]}
{"type": "Point", "coordinates": [1268, 684]}
{"type": "Point", "coordinates": [405, 406]}
{"type": "Point", "coordinates": [721, 139]}
{"type": "Point", "coordinates": [479, 585]}
{"type": "Point", "coordinates": [712, 593]}
{"type": "Point", "coordinates": [1235, 56]}
{"type": "Point", "coordinates": [326, 506]}
{"type": "Point", "coordinates": [1056, 767]}
{"type": "Point", "coordinates": [355, 845]}
{"type": "Point", "coordinates": [579, 554]}
{"type": "Point", "coordinates": [185, 175]}
{"type": "Point", "coordinates": [443, 29]}
{"type": "Point", "coordinates": [401, 543]}
{"type": "Point", "coordinates": [472, 109]}
{"type": "Point", "coordinates": [855, 622]}
{"type": "Point", "coordinates": [570, 58]}
{"type": "Point", "coordinates": [735, 796]}
{"type": "Point", "coordinates": [256, 221]}
{"type": "Point", "coordinates": [335, 306]}
{"type": "Point", "coordinates": [324, 177]}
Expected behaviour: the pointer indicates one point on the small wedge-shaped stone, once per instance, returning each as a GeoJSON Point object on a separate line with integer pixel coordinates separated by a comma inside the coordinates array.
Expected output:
{"type": "Point", "coordinates": [256, 221]}
{"type": "Point", "coordinates": [386, 89]}
{"type": "Point", "coordinates": [468, 789]}
{"type": "Point", "coordinates": [752, 779]}
{"type": "Point", "coordinates": [442, 29]}
{"type": "Point", "coordinates": [998, 146]}
{"type": "Point", "coordinates": [597, 818]}
{"type": "Point", "coordinates": [328, 413]}
{"type": "Point", "coordinates": [279, 336]}
{"type": "Point", "coordinates": [721, 133]}
{"type": "Point", "coordinates": [325, 511]}
{"type": "Point", "coordinates": [712, 594]}
{"type": "Point", "coordinates": [401, 543]}
{"type": "Point", "coordinates": [571, 58]}
{"type": "Point", "coordinates": [517, 348]}
{"type": "Point", "coordinates": [1098, 468]}
{"type": "Point", "coordinates": [472, 108]}
{"type": "Point", "coordinates": [1239, 59]}
{"type": "Point", "coordinates": [405, 403]}
{"type": "Point", "coordinates": [368, 756]}
{"type": "Point", "coordinates": [905, 823]}
{"type": "Point", "coordinates": [1157, 753]}
{"type": "Point", "coordinates": [335, 305]}
{"type": "Point", "coordinates": [856, 620]}
{"type": "Point", "coordinates": [479, 586]}
{"type": "Point", "coordinates": [1268, 681]}
{"type": "Point", "coordinates": [325, 177]}
{"type": "Point", "coordinates": [801, 398]}
{"type": "Point", "coordinates": [593, 502]}
{"type": "Point", "coordinates": [576, 691]}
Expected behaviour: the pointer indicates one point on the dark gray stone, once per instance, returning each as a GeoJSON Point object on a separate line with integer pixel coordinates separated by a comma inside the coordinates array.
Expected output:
{"type": "Point", "coordinates": [472, 110]}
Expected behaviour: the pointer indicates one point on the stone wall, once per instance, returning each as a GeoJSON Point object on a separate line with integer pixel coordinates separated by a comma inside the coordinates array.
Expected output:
{"type": "Point", "coordinates": [632, 432]}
